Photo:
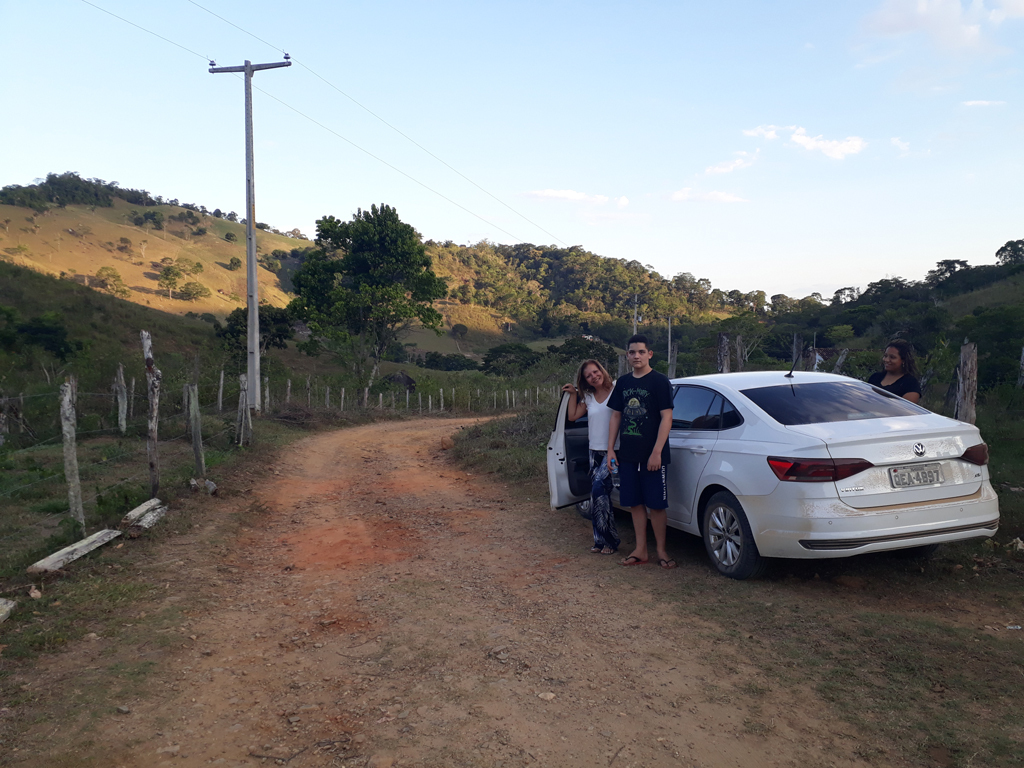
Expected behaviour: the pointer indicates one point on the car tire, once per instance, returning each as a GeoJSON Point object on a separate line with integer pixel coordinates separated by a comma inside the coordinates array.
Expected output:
{"type": "Point", "coordinates": [728, 539]}
{"type": "Point", "coordinates": [583, 507]}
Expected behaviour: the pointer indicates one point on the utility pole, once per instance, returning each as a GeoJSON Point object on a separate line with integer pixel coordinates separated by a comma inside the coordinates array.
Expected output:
{"type": "Point", "coordinates": [252, 288]}
{"type": "Point", "coordinates": [635, 297]}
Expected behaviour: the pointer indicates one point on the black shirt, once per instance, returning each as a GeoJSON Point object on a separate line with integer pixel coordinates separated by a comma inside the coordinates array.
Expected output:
{"type": "Point", "coordinates": [903, 385]}
{"type": "Point", "coordinates": [641, 401]}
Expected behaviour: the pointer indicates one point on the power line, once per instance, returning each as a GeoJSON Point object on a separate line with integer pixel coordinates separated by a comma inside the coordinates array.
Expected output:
{"type": "Point", "coordinates": [385, 122]}
{"type": "Point", "coordinates": [329, 130]}
{"type": "Point", "coordinates": [389, 165]}
{"type": "Point", "coordinates": [147, 31]}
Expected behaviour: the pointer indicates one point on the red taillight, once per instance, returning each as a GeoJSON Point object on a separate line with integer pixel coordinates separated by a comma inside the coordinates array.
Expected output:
{"type": "Point", "coordinates": [977, 454]}
{"type": "Point", "coordinates": [816, 470]}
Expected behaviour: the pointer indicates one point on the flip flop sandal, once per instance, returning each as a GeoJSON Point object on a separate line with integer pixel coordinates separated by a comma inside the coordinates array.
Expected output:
{"type": "Point", "coordinates": [633, 560]}
{"type": "Point", "coordinates": [668, 564]}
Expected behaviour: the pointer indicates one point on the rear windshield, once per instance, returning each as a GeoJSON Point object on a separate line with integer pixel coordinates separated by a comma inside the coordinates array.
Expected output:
{"type": "Point", "coordinates": [829, 401]}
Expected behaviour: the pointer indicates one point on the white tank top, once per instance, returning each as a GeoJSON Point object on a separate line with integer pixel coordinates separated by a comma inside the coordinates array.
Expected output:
{"type": "Point", "coordinates": [599, 417]}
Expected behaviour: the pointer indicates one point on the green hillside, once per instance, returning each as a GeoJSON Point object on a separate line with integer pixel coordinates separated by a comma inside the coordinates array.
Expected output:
{"type": "Point", "coordinates": [75, 242]}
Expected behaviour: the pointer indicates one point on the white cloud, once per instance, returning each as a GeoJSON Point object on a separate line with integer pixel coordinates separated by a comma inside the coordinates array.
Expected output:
{"type": "Point", "coordinates": [983, 103]}
{"type": "Point", "coordinates": [1006, 9]}
{"type": "Point", "coordinates": [837, 149]}
{"type": "Point", "coordinates": [743, 160]}
{"type": "Point", "coordinates": [568, 194]}
{"type": "Point", "coordinates": [949, 23]}
{"type": "Point", "coordinates": [767, 131]}
{"type": "Point", "coordinates": [902, 146]}
{"type": "Point", "coordinates": [622, 202]}
{"type": "Point", "coordinates": [688, 193]}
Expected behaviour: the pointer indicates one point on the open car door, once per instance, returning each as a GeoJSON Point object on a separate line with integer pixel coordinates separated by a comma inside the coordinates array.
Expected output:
{"type": "Point", "coordinates": [568, 458]}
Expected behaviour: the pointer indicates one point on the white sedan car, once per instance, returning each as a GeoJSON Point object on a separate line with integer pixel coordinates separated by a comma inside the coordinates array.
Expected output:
{"type": "Point", "coordinates": [766, 465]}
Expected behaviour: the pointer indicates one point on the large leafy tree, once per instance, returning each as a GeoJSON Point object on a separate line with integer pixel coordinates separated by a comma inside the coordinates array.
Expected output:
{"type": "Point", "coordinates": [275, 329]}
{"type": "Point", "coordinates": [370, 280]}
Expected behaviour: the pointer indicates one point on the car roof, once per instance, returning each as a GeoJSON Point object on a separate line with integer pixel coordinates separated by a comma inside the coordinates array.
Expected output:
{"type": "Point", "coordinates": [752, 379]}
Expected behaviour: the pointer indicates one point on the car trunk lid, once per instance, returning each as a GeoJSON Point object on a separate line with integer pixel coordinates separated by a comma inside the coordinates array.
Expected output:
{"type": "Point", "coordinates": [916, 459]}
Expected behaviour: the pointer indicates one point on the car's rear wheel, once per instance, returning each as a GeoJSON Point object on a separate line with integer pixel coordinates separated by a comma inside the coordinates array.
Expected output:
{"type": "Point", "coordinates": [728, 539]}
{"type": "Point", "coordinates": [583, 507]}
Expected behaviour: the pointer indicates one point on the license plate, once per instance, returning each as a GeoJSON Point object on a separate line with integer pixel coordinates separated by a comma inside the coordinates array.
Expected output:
{"type": "Point", "coordinates": [920, 474]}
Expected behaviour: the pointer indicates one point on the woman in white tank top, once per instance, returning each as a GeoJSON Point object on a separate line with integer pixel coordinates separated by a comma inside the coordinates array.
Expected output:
{"type": "Point", "coordinates": [589, 396]}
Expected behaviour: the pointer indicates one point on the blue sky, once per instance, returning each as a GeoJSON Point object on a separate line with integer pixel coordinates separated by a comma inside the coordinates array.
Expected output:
{"type": "Point", "coordinates": [789, 147]}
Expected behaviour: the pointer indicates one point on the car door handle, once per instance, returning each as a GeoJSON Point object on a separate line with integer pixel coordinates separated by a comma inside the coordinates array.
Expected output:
{"type": "Point", "coordinates": [698, 449]}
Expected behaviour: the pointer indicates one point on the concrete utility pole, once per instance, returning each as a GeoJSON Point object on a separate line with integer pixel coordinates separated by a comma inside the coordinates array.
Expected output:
{"type": "Point", "coordinates": [252, 288]}
{"type": "Point", "coordinates": [635, 299]}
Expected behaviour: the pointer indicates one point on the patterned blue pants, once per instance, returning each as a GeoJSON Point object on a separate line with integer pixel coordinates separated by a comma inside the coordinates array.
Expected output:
{"type": "Point", "coordinates": [602, 515]}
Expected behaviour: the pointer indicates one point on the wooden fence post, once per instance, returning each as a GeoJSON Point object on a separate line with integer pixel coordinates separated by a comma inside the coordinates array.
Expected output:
{"type": "Point", "coordinates": [122, 399]}
{"type": "Point", "coordinates": [153, 380]}
{"type": "Point", "coordinates": [798, 349]}
{"type": "Point", "coordinates": [840, 360]}
{"type": "Point", "coordinates": [266, 393]}
{"type": "Point", "coordinates": [342, 408]}
{"type": "Point", "coordinates": [67, 428]}
{"type": "Point", "coordinates": [741, 352]}
{"type": "Point", "coordinates": [309, 395]}
{"type": "Point", "coordinates": [197, 430]}
{"type": "Point", "coordinates": [967, 384]}
{"type": "Point", "coordinates": [380, 401]}
{"type": "Point", "coordinates": [366, 397]}
{"type": "Point", "coordinates": [420, 395]}
{"type": "Point", "coordinates": [220, 393]}
{"type": "Point", "coordinates": [184, 407]}
{"type": "Point", "coordinates": [723, 352]}
{"type": "Point", "coordinates": [392, 399]}
{"type": "Point", "coordinates": [243, 424]}
{"type": "Point", "coordinates": [430, 403]}
{"type": "Point", "coordinates": [407, 398]}
{"type": "Point", "coordinates": [440, 407]}
{"type": "Point", "coordinates": [506, 399]}
{"type": "Point", "coordinates": [131, 400]}
{"type": "Point", "coordinates": [288, 392]}
{"type": "Point", "coordinates": [327, 397]}
{"type": "Point", "coordinates": [514, 400]}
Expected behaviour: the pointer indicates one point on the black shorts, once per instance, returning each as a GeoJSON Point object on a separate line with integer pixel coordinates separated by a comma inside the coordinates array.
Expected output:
{"type": "Point", "coordinates": [638, 485]}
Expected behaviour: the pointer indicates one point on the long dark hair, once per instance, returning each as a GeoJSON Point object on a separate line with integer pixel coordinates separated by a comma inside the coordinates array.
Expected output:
{"type": "Point", "coordinates": [906, 355]}
{"type": "Point", "coordinates": [582, 384]}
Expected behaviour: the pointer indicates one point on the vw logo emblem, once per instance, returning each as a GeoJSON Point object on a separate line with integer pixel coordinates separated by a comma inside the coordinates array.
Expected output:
{"type": "Point", "coordinates": [919, 449]}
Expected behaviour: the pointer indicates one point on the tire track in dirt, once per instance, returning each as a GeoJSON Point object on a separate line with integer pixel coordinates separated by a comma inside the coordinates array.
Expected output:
{"type": "Point", "coordinates": [391, 609]}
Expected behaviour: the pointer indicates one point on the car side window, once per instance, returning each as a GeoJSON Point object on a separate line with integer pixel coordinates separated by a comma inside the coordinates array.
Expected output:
{"type": "Point", "coordinates": [730, 416]}
{"type": "Point", "coordinates": [690, 407]}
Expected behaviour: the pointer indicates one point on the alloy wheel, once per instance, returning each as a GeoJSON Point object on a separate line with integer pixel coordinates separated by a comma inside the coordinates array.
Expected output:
{"type": "Point", "coordinates": [725, 535]}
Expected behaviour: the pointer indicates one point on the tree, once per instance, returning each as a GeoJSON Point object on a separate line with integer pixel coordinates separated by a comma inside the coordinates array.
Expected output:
{"type": "Point", "coordinates": [193, 290]}
{"type": "Point", "coordinates": [509, 359]}
{"type": "Point", "coordinates": [235, 263]}
{"type": "Point", "coordinates": [275, 329]}
{"type": "Point", "coordinates": [944, 270]}
{"type": "Point", "coordinates": [230, 237]}
{"type": "Point", "coordinates": [1011, 253]}
{"type": "Point", "coordinates": [459, 331]}
{"type": "Point", "coordinates": [368, 283]}
{"type": "Point", "coordinates": [169, 278]}
{"type": "Point", "coordinates": [110, 281]}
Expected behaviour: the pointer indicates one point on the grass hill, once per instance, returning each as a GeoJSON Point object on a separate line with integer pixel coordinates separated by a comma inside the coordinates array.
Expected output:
{"type": "Point", "coordinates": [76, 241]}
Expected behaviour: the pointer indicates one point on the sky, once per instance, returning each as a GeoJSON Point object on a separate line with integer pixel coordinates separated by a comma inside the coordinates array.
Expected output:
{"type": "Point", "coordinates": [789, 147]}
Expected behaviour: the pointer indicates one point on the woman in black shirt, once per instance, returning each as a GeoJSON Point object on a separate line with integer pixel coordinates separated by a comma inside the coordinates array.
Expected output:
{"type": "Point", "coordinates": [899, 373]}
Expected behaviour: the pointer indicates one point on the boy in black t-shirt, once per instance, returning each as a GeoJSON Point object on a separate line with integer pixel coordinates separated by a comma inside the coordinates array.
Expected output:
{"type": "Point", "coordinates": [641, 405]}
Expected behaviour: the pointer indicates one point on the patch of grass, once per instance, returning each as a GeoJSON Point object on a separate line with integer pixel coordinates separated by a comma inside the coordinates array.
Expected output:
{"type": "Point", "coordinates": [512, 446]}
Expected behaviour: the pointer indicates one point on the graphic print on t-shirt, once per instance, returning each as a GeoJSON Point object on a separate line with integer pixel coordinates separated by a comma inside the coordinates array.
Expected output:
{"type": "Point", "coordinates": [634, 413]}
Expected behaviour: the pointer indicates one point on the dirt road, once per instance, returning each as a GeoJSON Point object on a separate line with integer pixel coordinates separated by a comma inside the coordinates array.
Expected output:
{"type": "Point", "coordinates": [390, 609]}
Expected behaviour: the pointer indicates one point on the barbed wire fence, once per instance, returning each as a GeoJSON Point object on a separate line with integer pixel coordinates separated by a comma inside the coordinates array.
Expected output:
{"type": "Point", "coordinates": [112, 441]}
